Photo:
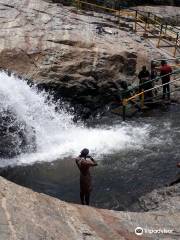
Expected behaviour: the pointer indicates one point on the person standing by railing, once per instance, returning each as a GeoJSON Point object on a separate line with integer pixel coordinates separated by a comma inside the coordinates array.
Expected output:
{"type": "Point", "coordinates": [144, 81]}
{"type": "Point", "coordinates": [165, 71]}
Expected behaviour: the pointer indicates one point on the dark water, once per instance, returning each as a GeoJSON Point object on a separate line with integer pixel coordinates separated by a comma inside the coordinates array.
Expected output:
{"type": "Point", "coordinates": [120, 179]}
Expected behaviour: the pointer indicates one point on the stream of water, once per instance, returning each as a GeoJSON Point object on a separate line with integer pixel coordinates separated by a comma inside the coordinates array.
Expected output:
{"type": "Point", "coordinates": [134, 157]}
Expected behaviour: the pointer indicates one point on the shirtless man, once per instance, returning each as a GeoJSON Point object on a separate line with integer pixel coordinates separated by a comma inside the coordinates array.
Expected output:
{"type": "Point", "coordinates": [84, 162]}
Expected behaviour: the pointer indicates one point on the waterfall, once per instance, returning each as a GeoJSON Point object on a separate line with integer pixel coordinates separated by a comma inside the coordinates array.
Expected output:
{"type": "Point", "coordinates": [57, 136]}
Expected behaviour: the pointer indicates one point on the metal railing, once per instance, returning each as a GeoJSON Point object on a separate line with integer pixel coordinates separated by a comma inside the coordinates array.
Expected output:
{"type": "Point", "coordinates": [146, 20]}
{"type": "Point", "coordinates": [151, 89]}
{"type": "Point", "coordinates": [152, 81]}
{"type": "Point", "coordinates": [143, 92]}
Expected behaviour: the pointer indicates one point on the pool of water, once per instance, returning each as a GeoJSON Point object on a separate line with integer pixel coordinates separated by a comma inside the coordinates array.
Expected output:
{"type": "Point", "coordinates": [123, 173]}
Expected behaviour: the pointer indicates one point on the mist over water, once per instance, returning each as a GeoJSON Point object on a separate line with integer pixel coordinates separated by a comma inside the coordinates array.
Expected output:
{"type": "Point", "coordinates": [57, 136]}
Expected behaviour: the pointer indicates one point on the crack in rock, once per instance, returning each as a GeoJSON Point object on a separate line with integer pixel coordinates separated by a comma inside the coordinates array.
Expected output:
{"type": "Point", "coordinates": [8, 217]}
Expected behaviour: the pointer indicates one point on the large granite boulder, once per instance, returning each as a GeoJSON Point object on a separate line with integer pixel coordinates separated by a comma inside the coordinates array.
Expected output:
{"type": "Point", "coordinates": [61, 50]}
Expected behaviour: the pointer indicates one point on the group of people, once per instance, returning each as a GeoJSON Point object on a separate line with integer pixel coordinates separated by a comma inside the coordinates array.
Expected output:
{"type": "Point", "coordinates": [146, 83]}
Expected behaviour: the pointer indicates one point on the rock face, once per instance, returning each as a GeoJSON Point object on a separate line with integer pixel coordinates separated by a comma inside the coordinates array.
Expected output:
{"type": "Point", "coordinates": [170, 14]}
{"type": "Point", "coordinates": [25, 214]}
{"type": "Point", "coordinates": [62, 50]}
{"type": "Point", "coordinates": [164, 199]}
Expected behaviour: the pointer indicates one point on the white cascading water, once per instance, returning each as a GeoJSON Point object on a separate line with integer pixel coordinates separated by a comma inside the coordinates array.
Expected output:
{"type": "Point", "coordinates": [57, 136]}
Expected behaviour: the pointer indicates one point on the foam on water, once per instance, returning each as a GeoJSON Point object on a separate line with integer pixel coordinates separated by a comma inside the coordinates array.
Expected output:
{"type": "Point", "coordinates": [57, 135]}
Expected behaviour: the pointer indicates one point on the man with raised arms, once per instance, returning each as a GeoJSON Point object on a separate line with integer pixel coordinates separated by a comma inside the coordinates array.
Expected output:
{"type": "Point", "coordinates": [84, 163]}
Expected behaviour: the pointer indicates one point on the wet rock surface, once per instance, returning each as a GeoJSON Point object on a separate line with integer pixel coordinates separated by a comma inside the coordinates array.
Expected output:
{"type": "Point", "coordinates": [15, 136]}
{"type": "Point", "coordinates": [29, 215]}
{"type": "Point", "coordinates": [164, 199]}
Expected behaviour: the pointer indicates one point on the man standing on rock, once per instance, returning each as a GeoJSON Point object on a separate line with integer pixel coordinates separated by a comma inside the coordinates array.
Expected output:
{"type": "Point", "coordinates": [84, 162]}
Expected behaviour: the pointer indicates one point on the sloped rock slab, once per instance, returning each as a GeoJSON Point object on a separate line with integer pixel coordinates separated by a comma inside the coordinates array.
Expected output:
{"type": "Point", "coordinates": [27, 215]}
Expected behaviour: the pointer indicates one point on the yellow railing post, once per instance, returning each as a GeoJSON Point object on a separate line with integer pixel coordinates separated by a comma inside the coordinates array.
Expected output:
{"type": "Point", "coordinates": [124, 109]}
{"type": "Point", "coordinates": [165, 32]}
{"type": "Point", "coordinates": [149, 17]}
{"type": "Point", "coordinates": [155, 18]}
{"type": "Point", "coordinates": [160, 36]}
{"type": "Point", "coordinates": [119, 15]}
{"type": "Point", "coordinates": [78, 4]}
{"type": "Point", "coordinates": [176, 44]}
{"type": "Point", "coordinates": [136, 19]}
{"type": "Point", "coordinates": [145, 27]}
{"type": "Point", "coordinates": [142, 100]}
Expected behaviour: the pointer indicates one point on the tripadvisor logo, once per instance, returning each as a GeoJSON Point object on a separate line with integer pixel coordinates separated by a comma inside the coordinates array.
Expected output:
{"type": "Point", "coordinates": [138, 231]}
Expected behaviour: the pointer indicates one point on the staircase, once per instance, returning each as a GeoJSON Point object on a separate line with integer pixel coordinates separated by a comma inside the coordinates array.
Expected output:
{"type": "Point", "coordinates": [146, 24]}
